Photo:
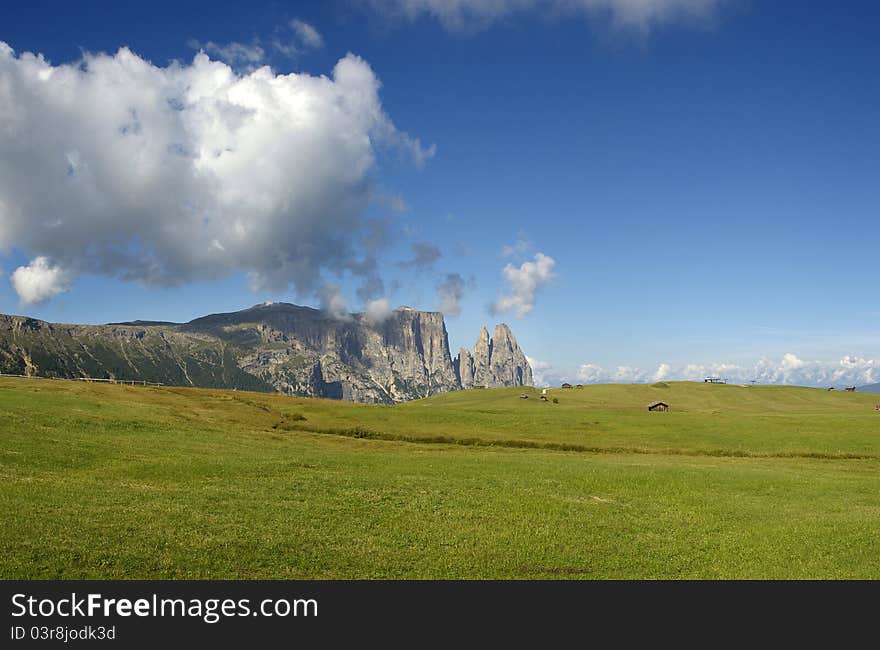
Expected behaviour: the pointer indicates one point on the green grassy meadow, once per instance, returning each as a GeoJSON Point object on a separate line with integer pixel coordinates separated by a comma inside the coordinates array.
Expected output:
{"type": "Point", "coordinates": [103, 481]}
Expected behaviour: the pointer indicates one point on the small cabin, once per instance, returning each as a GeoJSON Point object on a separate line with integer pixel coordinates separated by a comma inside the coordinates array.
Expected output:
{"type": "Point", "coordinates": [851, 389]}
{"type": "Point", "coordinates": [580, 385]}
{"type": "Point", "coordinates": [543, 398]}
{"type": "Point", "coordinates": [567, 386]}
{"type": "Point", "coordinates": [523, 396]}
{"type": "Point", "coordinates": [658, 406]}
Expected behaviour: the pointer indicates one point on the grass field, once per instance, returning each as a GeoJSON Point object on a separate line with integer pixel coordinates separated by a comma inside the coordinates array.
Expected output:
{"type": "Point", "coordinates": [102, 481]}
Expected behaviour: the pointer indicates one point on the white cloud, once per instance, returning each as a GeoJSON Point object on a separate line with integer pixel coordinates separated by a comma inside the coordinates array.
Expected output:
{"type": "Point", "coordinates": [247, 56]}
{"type": "Point", "coordinates": [306, 33]}
{"type": "Point", "coordinates": [39, 281]}
{"type": "Point", "coordinates": [662, 372]}
{"type": "Point", "coordinates": [790, 362]}
{"type": "Point", "coordinates": [543, 373]}
{"type": "Point", "coordinates": [857, 370]}
{"type": "Point", "coordinates": [164, 175]}
{"type": "Point", "coordinates": [789, 370]}
{"type": "Point", "coordinates": [590, 373]}
{"type": "Point", "coordinates": [524, 282]}
{"type": "Point", "coordinates": [377, 311]}
{"type": "Point", "coordinates": [450, 292]}
{"type": "Point", "coordinates": [629, 374]}
{"type": "Point", "coordinates": [519, 247]}
{"type": "Point", "coordinates": [333, 302]}
{"type": "Point", "coordinates": [290, 41]}
{"type": "Point", "coordinates": [296, 37]}
{"type": "Point", "coordinates": [414, 149]}
{"type": "Point", "coordinates": [470, 15]}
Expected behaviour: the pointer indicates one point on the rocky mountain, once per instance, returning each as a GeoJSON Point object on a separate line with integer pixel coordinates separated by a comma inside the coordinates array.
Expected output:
{"type": "Point", "coordinates": [270, 347]}
{"type": "Point", "coordinates": [495, 362]}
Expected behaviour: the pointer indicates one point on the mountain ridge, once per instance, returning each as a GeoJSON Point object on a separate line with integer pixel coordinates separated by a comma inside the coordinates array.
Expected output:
{"type": "Point", "coordinates": [269, 347]}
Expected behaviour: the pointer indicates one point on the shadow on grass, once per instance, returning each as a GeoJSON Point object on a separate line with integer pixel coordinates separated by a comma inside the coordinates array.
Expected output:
{"type": "Point", "coordinates": [362, 433]}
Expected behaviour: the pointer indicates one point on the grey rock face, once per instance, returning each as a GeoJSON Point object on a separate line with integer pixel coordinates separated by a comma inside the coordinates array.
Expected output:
{"type": "Point", "coordinates": [508, 364]}
{"type": "Point", "coordinates": [303, 351]}
{"type": "Point", "coordinates": [482, 359]}
{"type": "Point", "coordinates": [498, 361]}
{"type": "Point", "coordinates": [464, 368]}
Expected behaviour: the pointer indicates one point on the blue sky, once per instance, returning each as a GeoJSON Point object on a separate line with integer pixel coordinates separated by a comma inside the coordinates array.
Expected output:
{"type": "Point", "coordinates": [704, 176]}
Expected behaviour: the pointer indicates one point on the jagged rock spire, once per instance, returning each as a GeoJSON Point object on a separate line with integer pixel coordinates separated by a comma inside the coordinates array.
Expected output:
{"type": "Point", "coordinates": [508, 364]}
{"type": "Point", "coordinates": [464, 368]}
{"type": "Point", "coordinates": [482, 359]}
{"type": "Point", "coordinates": [498, 361]}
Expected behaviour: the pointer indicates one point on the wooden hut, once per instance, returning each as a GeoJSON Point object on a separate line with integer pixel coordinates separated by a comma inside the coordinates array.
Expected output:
{"type": "Point", "coordinates": [567, 386]}
{"type": "Point", "coordinates": [658, 406]}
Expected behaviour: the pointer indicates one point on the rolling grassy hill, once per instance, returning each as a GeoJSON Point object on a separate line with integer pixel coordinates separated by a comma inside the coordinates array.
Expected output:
{"type": "Point", "coordinates": [719, 420]}
{"type": "Point", "coordinates": [103, 481]}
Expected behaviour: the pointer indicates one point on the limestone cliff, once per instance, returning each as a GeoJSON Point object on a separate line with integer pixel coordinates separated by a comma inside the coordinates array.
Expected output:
{"type": "Point", "coordinates": [482, 355]}
{"type": "Point", "coordinates": [498, 361]}
{"type": "Point", "coordinates": [508, 364]}
{"type": "Point", "coordinates": [464, 368]}
{"type": "Point", "coordinates": [304, 351]}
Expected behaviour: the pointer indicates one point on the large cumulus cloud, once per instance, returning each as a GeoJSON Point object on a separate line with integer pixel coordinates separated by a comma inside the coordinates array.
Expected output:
{"type": "Point", "coordinates": [164, 175]}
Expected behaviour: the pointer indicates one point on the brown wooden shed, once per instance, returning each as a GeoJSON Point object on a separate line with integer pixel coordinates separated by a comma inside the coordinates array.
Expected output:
{"type": "Point", "coordinates": [658, 406]}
